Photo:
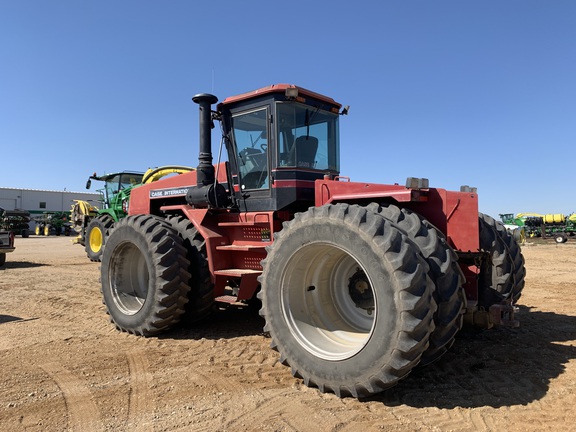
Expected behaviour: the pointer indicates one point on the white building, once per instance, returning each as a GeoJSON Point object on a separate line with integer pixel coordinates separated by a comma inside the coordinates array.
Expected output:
{"type": "Point", "coordinates": [38, 201]}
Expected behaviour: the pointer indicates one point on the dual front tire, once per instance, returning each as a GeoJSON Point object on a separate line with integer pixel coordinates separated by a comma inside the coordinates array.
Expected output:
{"type": "Point", "coordinates": [155, 274]}
{"type": "Point", "coordinates": [144, 276]}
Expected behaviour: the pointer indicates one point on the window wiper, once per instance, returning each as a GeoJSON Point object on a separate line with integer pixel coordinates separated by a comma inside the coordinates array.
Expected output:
{"type": "Point", "coordinates": [257, 139]}
{"type": "Point", "coordinates": [309, 118]}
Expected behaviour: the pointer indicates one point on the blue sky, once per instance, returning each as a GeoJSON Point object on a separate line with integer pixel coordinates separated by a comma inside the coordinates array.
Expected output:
{"type": "Point", "coordinates": [481, 93]}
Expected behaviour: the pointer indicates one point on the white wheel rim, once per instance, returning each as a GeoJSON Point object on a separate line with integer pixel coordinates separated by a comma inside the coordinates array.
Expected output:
{"type": "Point", "coordinates": [317, 303]}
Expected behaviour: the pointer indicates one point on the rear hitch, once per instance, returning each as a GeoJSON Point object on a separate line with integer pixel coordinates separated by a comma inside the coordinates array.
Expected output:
{"type": "Point", "coordinates": [499, 314]}
{"type": "Point", "coordinates": [503, 315]}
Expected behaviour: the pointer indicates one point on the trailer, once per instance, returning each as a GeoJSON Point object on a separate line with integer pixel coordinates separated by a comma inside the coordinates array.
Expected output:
{"type": "Point", "coordinates": [16, 221]}
{"type": "Point", "coordinates": [551, 225]}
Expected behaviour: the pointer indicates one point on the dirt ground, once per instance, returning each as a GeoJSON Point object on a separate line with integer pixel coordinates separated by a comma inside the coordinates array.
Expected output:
{"type": "Point", "coordinates": [63, 366]}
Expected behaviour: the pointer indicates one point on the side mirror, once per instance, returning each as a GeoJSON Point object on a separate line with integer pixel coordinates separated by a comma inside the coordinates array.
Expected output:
{"type": "Point", "coordinates": [88, 184]}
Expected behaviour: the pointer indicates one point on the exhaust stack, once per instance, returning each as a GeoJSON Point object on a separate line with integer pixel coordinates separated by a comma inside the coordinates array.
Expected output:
{"type": "Point", "coordinates": [205, 169]}
{"type": "Point", "coordinates": [207, 193]}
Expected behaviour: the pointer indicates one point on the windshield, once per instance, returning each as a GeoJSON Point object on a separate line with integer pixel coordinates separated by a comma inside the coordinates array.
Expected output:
{"type": "Point", "coordinates": [119, 182]}
{"type": "Point", "coordinates": [307, 137]}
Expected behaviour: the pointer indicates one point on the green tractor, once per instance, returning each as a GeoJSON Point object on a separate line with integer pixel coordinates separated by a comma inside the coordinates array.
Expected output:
{"type": "Point", "coordinates": [515, 226]}
{"type": "Point", "coordinates": [92, 223]}
{"type": "Point", "coordinates": [55, 222]}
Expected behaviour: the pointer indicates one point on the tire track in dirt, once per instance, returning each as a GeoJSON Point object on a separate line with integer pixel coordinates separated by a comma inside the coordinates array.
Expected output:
{"type": "Point", "coordinates": [268, 409]}
{"type": "Point", "coordinates": [217, 392]}
{"type": "Point", "coordinates": [300, 413]}
{"type": "Point", "coordinates": [263, 391]}
{"type": "Point", "coordinates": [258, 365]}
{"type": "Point", "coordinates": [428, 399]}
{"type": "Point", "coordinates": [289, 409]}
{"type": "Point", "coordinates": [218, 383]}
{"type": "Point", "coordinates": [233, 372]}
{"type": "Point", "coordinates": [141, 405]}
{"type": "Point", "coordinates": [454, 419]}
{"type": "Point", "coordinates": [83, 414]}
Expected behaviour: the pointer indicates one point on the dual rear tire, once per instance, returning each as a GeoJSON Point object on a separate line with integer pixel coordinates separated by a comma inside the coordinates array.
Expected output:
{"type": "Point", "coordinates": [444, 272]}
{"type": "Point", "coordinates": [347, 300]}
{"type": "Point", "coordinates": [502, 273]}
{"type": "Point", "coordinates": [355, 297]}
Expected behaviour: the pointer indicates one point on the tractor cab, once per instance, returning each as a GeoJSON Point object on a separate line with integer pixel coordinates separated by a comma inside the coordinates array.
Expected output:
{"type": "Point", "coordinates": [280, 139]}
{"type": "Point", "coordinates": [116, 189]}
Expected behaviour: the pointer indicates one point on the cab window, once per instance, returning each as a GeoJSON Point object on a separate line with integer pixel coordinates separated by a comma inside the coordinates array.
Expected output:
{"type": "Point", "coordinates": [251, 138]}
{"type": "Point", "coordinates": [307, 137]}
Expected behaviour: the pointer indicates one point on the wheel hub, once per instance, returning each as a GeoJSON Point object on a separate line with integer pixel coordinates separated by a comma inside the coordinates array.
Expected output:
{"type": "Point", "coordinates": [361, 291]}
{"type": "Point", "coordinates": [96, 239]}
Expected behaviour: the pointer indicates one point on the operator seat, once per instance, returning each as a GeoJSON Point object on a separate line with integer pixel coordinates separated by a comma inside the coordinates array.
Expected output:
{"type": "Point", "coordinates": [255, 179]}
{"type": "Point", "coordinates": [306, 148]}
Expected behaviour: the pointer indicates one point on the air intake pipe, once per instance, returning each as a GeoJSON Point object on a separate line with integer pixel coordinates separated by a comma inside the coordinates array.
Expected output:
{"type": "Point", "coordinates": [207, 193]}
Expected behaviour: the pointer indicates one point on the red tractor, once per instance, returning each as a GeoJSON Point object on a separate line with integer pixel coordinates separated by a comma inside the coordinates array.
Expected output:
{"type": "Point", "coordinates": [359, 282]}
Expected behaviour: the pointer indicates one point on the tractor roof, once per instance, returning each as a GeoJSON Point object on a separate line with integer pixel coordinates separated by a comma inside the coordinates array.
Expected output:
{"type": "Point", "coordinates": [279, 88]}
{"type": "Point", "coordinates": [106, 177]}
